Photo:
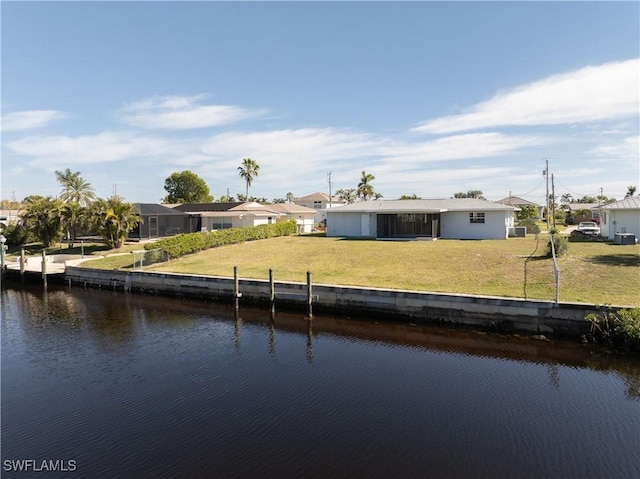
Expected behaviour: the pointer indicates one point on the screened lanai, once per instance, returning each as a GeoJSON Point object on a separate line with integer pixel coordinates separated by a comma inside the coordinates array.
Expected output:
{"type": "Point", "coordinates": [408, 225]}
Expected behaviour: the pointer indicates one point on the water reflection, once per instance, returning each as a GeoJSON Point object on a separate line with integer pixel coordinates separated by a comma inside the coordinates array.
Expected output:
{"type": "Point", "coordinates": [140, 386]}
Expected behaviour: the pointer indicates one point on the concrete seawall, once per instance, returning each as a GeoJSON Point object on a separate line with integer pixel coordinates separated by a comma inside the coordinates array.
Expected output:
{"type": "Point", "coordinates": [504, 314]}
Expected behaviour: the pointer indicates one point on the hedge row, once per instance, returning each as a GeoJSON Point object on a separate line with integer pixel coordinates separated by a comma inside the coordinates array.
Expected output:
{"type": "Point", "coordinates": [180, 245]}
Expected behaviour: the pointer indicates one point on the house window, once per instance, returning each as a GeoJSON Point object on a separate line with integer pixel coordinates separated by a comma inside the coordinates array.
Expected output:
{"type": "Point", "coordinates": [476, 217]}
{"type": "Point", "coordinates": [317, 205]}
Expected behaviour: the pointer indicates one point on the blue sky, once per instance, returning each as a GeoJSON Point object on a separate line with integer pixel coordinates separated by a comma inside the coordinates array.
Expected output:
{"type": "Point", "coordinates": [431, 98]}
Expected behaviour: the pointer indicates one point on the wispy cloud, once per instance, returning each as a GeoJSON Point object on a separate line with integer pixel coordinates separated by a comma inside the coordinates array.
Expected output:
{"type": "Point", "coordinates": [604, 92]}
{"type": "Point", "coordinates": [30, 119]}
{"type": "Point", "coordinates": [182, 113]}
{"type": "Point", "coordinates": [626, 149]}
{"type": "Point", "coordinates": [101, 148]}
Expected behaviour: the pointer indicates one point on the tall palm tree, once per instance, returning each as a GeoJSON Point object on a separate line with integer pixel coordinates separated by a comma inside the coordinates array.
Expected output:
{"type": "Point", "coordinates": [74, 188]}
{"type": "Point", "coordinates": [248, 171]}
{"type": "Point", "coordinates": [365, 188]}
{"type": "Point", "coordinates": [631, 190]}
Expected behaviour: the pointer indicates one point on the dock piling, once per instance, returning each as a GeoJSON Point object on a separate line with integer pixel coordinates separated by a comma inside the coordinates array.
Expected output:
{"type": "Point", "coordinates": [309, 295]}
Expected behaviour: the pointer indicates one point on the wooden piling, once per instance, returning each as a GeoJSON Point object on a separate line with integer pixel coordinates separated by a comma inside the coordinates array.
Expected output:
{"type": "Point", "coordinates": [22, 262]}
{"type": "Point", "coordinates": [236, 288]}
{"type": "Point", "coordinates": [309, 295]}
{"type": "Point", "coordinates": [44, 268]}
{"type": "Point", "coordinates": [272, 292]}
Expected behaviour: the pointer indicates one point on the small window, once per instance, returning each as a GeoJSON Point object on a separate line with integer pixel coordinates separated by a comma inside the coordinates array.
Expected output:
{"type": "Point", "coordinates": [476, 217]}
{"type": "Point", "coordinates": [317, 205]}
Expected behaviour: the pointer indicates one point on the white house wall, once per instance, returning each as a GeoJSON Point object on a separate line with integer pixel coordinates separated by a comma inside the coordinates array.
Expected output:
{"type": "Point", "coordinates": [620, 221]}
{"type": "Point", "coordinates": [346, 224]}
{"type": "Point", "coordinates": [456, 225]}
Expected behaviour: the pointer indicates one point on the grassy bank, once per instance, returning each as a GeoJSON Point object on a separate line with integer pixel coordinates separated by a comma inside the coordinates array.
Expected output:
{"type": "Point", "coordinates": [599, 273]}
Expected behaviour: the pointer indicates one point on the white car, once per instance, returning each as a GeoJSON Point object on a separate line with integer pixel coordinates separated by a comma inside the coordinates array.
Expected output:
{"type": "Point", "coordinates": [589, 228]}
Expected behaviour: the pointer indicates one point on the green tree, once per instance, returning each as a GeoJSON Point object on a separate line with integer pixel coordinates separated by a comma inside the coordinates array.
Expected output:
{"type": "Point", "coordinates": [43, 218]}
{"type": "Point", "coordinates": [347, 195]}
{"type": "Point", "coordinates": [73, 215]}
{"type": "Point", "coordinates": [74, 188]}
{"type": "Point", "coordinates": [631, 191]}
{"type": "Point", "coordinates": [290, 197]}
{"type": "Point", "coordinates": [477, 194]}
{"type": "Point", "coordinates": [248, 171]}
{"type": "Point", "coordinates": [186, 187]}
{"type": "Point", "coordinates": [112, 219]}
{"type": "Point", "coordinates": [365, 189]}
{"type": "Point", "coordinates": [410, 197]}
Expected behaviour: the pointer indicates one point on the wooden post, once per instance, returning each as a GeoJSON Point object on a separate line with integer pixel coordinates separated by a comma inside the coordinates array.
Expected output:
{"type": "Point", "coordinates": [236, 287]}
{"type": "Point", "coordinates": [44, 268]}
{"type": "Point", "coordinates": [272, 292]}
{"type": "Point", "coordinates": [22, 261]}
{"type": "Point", "coordinates": [309, 295]}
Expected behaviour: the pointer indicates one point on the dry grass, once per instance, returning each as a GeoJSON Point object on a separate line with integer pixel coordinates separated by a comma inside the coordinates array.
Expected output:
{"type": "Point", "coordinates": [598, 273]}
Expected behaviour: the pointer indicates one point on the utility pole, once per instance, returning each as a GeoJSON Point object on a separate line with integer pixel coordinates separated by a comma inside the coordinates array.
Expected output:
{"type": "Point", "coordinates": [330, 185]}
{"type": "Point", "coordinates": [553, 201]}
{"type": "Point", "coordinates": [546, 174]}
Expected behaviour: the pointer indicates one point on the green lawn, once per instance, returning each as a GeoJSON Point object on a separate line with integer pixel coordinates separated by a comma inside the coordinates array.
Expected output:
{"type": "Point", "coordinates": [591, 272]}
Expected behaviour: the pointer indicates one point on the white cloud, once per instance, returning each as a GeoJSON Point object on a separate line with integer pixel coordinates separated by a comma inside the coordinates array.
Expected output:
{"type": "Point", "coordinates": [604, 92]}
{"type": "Point", "coordinates": [29, 120]}
{"type": "Point", "coordinates": [100, 148]}
{"type": "Point", "coordinates": [626, 149]}
{"type": "Point", "coordinates": [182, 113]}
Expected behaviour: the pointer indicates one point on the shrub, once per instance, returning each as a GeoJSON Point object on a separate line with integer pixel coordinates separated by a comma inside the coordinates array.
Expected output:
{"type": "Point", "coordinates": [560, 243]}
{"type": "Point", "coordinates": [184, 244]}
{"type": "Point", "coordinates": [616, 328]}
{"type": "Point", "coordinates": [16, 234]}
{"type": "Point", "coordinates": [530, 224]}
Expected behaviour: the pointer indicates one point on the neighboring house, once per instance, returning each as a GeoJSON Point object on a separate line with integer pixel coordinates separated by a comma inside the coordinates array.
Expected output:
{"type": "Point", "coordinates": [575, 209]}
{"type": "Point", "coordinates": [520, 202]}
{"type": "Point", "coordinates": [319, 202]}
{"type": "Point", "coordinates": [216, 216]}
{"type": "Point", "coordinates": [303, 216]}
{"type": "Point", "coordinates": [456, 218]}
{"type": "Point", "coordinates": [620, 217]}
{"type": "Point", "coordinates": [9, 217]}
{"type": "Point", "coordinates": [158, 221]}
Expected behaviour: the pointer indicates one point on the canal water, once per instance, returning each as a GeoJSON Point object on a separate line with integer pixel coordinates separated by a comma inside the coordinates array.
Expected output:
{"type": "Point", "coordinates": [102, 385]}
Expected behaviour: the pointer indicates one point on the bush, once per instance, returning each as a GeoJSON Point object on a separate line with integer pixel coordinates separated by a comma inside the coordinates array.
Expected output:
{"type": "Point", "coordinates": [560, 243]}
{"type": "Point", "coordinates": [184, 244]}
{"type": "Point", "coordinates": [530, 224]}
{"type": "Point", "coordinates": [16, 234]}
{"type": "Point", "coordinates": [616, 328]}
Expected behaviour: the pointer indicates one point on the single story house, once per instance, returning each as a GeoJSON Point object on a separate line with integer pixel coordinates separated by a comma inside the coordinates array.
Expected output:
{"type": "Point", "coordinates": [520, 202]}
{"type": "Point", "coordinates": [216, 216]}
{"type": "Point", "coordinates": [455, 218]}
{"type": "Point", "coordinates": [9, 217]}
{"type": "Point", "coordinates": [303, 216]}
{"type": "Point", "coordinates": [582, 211]}
{"type": "Point", "coordinates": [318, 201]}
{"type": "Point", "coordinates": [621, 217]}
{"type": "Point", "coordinates": [158, 221]}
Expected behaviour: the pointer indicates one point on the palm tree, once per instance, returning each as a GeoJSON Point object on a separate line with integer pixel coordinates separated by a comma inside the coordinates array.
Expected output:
{"type": "Point", "coordinates": [43, 216]}
{"type": "Point", "coordinates": [248, 171]}
{"type": "Point", "coordinates": [74, 188]}
{"type": "Point", "coordinates": [113, 219]}
{"type": "Point", "coordinates": [631, 190]}
{"type": "Point", "coordinates": [347, 195]}
{"type": "Point", "coordinates": [365, 188]}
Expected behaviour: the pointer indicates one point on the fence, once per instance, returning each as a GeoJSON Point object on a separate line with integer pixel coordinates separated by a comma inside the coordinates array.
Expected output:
{"type": "Point", "coordinates": [542, 274]}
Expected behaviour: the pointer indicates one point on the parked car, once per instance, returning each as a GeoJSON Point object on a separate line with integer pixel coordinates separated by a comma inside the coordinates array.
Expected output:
{"type": "Point", "coordinates": [589, 228]}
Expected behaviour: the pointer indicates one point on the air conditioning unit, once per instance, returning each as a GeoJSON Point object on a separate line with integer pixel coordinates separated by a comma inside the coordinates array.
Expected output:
{"type": "Point", "coordinates": [625, 238]}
